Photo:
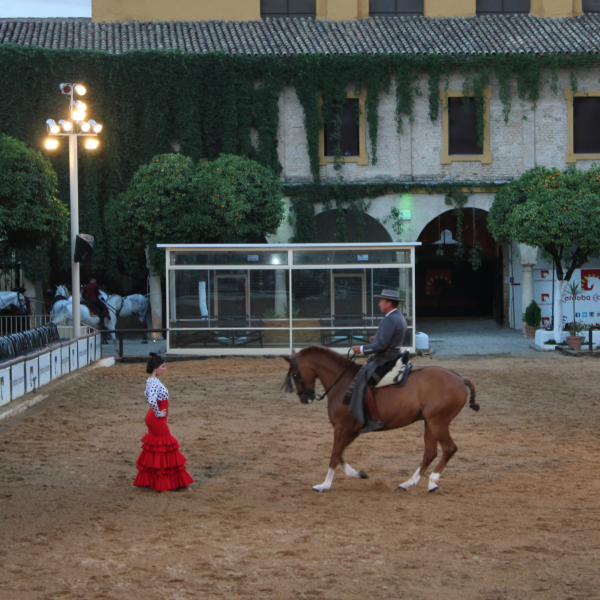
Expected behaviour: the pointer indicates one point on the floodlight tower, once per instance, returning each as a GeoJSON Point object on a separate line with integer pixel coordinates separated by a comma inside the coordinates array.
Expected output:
{"type": "Point", "coordinates": [74, 127]}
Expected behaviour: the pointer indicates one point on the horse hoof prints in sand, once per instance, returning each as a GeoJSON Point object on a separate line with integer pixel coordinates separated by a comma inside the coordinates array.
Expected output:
{"type": "Point", "coordinates": [431, 394]}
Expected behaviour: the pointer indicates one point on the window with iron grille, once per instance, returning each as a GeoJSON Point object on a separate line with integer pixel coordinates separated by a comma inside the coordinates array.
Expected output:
{"type": "Point", "coordinates": [586, 125]}
{"type": "Point", "coordinates": [294, 9]}
{"type": "Point", "coordinates": [591, 6]}
{"type": "Point", "coordinates": [498, 7]}
{"type": "Point", "coordinates": [393, 8]}
{"type": "Point", "coordinates": [462, 123]}
{"type": "Point", "coordinates": [349, 140]}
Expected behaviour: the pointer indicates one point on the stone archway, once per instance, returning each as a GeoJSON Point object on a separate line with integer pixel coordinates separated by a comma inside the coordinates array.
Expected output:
{"type": "Point", "coordinates": [373, 230]}
{"type": "Point", "coordinates": [447, 286]}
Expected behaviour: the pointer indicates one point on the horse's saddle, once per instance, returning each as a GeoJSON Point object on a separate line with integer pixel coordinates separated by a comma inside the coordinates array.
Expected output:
{"type": "Point", "coordinates": [397, 376]}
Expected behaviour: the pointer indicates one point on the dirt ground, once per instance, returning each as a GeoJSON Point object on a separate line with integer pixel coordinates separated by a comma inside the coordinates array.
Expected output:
{"type": "Point", "coordinates": [517, 515]}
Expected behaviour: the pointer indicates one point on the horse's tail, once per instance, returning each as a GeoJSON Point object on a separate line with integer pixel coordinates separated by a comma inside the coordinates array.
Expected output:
{"type": "Point", "coordinates": [472, 404]}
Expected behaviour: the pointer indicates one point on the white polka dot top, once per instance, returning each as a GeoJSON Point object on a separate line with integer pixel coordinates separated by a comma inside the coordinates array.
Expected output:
{"type": "Point", "coordinates": [155, 391]}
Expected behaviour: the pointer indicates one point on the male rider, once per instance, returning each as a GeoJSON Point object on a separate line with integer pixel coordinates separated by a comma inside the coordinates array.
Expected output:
{"type": "Point", "coordinates": [91, 295]}
{"type": "Point", "coordinates": [383, 352]}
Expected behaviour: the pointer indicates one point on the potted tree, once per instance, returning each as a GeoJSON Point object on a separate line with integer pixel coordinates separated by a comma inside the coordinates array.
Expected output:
{"type": "Point", "coordinates": [533, 319]}
{"type": "Point", "coordinates": [575, 340]}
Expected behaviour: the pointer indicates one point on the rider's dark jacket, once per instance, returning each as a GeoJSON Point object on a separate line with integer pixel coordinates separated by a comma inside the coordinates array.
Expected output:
{"type": "Point", "coordinates": [384, 348]}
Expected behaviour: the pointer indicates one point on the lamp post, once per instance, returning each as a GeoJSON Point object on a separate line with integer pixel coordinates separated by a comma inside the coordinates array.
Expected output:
{"type": "Point", "coordinates": [74, 127]}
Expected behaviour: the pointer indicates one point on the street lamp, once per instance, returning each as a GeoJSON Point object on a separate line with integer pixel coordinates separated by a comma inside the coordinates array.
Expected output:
{"type": "Point", "coordinates": [73, 127]}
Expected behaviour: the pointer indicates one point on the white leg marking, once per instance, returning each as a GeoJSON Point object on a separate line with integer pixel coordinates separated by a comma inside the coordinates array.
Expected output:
{"type": "Point", "coordinates": [350, 471]}
{"type": "Point", "coordinates": [412, 481]}
{"type": "Point", "coordinates": [434, 479]}
{"type": "Point", "coordinates": [327, 483]}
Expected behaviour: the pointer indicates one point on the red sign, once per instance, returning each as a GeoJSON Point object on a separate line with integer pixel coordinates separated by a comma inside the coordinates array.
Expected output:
{"type": "Point", "coordinates": [433, 275]}
{"type": "Point", "coordinates": [586, 275]}
{"type": "Point", "coordinates": [545, 297]}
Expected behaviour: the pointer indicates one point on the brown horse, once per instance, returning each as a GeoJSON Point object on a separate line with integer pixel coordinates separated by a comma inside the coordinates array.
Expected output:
{"type": "Point", "coordinates": [431, 394]}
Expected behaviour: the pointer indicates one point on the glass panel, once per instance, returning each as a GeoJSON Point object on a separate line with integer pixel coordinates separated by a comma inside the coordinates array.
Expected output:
{"type": "Point", "coordinates": [349, 294]}
{"type": "Point", "coordinates": [586, 125]}
{"type": "Point", "coordinates": [347, 138]}
{"type": "Point", "coordinates": [591, 6]}
{"type": "Point", "coordinates": [233, 298]}
{"type": "Point", "coordinates": [194, 257]}
{"type": "Point", "coordinates": [486, 7]}
{"type": "Point", "coordinates": [462, 120]}
{"type": "Point", "coordinates": [345, 257]}
{"type": "Point", "coordinates": [311, 295]}
{"type": "Point", "coordinates": [216, 338]}
{"type": "Point", "coordinates": [391, 8]}
{"type": "Point", "coordinates": [491, 7]}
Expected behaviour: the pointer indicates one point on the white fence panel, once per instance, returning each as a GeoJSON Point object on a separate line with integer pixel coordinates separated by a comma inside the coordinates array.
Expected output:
{"type": "Point", "coordinates": [65, 360]}
{"type": "Point", "coordinates": [91, 350]}
{"type": "Point", "coordinates": [82, 353]}
{"type": "Point", "coordinates": [31, 375]}
{"type": "Point", "coordinates": [45, 367]}
{"type": "Point", "coordinates": [56, 364]}
{"type": "Point", "coordinates": [4, 386]}
{"type": "Point", "coordinates": [17, 380]}
{"type": "Point", "coordinates": [73, 356]}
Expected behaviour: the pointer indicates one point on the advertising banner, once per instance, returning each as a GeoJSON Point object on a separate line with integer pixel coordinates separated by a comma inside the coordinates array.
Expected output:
{"type": "Point", "coordinates": [17, 379]}
{"type": "Point", "coordinates": [98, 347]}
{"type": "Point", "coordinates": [65, 360]}
{"type": "Point", "coordinates": [82, 353]}
{"type": "Point", "coordinates": [56, 364]}
{"type": "Point", "coordinates": [31, 375]}
{"type": "Point", "coordinates": [587, 302]}
{"type": "Point", "coordinates": [73, 356]}
{"type": "Point", "coordinates": [4, 386]}
{"type": "Point", "coordinates": [91, 350]}
{"type": "Point", "coordinates": [45, 375]}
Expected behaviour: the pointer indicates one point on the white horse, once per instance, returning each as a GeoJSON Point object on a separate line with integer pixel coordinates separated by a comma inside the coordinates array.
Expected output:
{"type": "Point", "coordinates": [62, 313]}
{"type": "Point", "coordinates": [127, 306]}
{"type": "Point", "coordinates": [13, 301]}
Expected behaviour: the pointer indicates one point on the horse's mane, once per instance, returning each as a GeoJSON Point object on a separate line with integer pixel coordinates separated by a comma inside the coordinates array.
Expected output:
{"type": "Point", "coordinates": [338, 359]}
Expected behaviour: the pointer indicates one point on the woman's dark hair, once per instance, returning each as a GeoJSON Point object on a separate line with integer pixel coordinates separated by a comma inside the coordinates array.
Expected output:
{"type": "Point", "coordinates": [154, 362]}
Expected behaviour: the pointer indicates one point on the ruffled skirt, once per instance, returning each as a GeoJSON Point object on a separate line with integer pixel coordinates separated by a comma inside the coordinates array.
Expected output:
{"type": "Point", "coordinates": [160, 465]}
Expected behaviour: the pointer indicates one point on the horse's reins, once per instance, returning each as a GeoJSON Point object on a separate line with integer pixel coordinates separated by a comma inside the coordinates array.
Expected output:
{"type": "Point", "coordinates": [305, 390]}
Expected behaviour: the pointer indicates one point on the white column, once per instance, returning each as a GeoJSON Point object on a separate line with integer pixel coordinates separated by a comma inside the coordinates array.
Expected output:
{"type": "Point", "coordinates": [30, 292]}
{"type": "Point", "coordinates": [155, 300]}
{"type": "Point", "coordinates": [528, 260]}
{"type": "Point", "coordinates": [75, 281]}
{"type": "Point", "coordinates": [281, 300]}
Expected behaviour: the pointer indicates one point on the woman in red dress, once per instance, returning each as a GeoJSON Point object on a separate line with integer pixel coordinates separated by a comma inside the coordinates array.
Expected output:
{"type": "Point", "coordinates": [160, 466]}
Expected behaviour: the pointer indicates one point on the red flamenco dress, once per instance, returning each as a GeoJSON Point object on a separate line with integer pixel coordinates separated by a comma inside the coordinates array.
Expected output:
{"type": "Point", "coordinates": [160, 465]}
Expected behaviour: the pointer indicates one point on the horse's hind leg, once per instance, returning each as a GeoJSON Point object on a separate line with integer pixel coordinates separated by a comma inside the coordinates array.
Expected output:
{"type": "Point", "coordinates": [347, 468]}
{"type": "Point", "coordinates": [449, 449]}
{"type": "Point", "coordinates": [429, 455]}
{"type": "Point", "coordinates": [341, 438]}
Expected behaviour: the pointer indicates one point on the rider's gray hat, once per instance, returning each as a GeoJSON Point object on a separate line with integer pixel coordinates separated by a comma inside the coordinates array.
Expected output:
{"type": "Point", "coordinates": [390, 295]}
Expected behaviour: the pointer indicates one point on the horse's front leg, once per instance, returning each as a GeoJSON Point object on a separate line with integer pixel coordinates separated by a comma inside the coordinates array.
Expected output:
{"type": "Point", "coordinates": [341, 438]}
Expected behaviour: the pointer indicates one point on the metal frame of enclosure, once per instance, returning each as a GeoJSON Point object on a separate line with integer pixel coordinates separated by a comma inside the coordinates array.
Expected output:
{"type": "Point", "coordinates": [259, 299]}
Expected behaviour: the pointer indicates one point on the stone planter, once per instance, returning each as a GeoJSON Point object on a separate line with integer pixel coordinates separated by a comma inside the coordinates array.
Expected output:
{"type": "Point", "coordinates": [530, 331]}
{"type": "Point", "coordinates": [283, 337]}
{"type": "Point", "coordinates": [574, 342]}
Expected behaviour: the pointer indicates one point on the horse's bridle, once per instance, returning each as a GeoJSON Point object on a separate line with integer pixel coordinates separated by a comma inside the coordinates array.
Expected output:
{"type": "Point", "coordinates": [308, 394]}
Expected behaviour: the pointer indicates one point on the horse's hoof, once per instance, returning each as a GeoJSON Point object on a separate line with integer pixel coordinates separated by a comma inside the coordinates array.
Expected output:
{"type": "Point", "coordinates": [434, 489]}
{"type": "Point", "coordinates": [363, 475]}
{"type": "Point", "coordinates": [317, 488]}
{"type": "Point", "coordinates": [402, 489]}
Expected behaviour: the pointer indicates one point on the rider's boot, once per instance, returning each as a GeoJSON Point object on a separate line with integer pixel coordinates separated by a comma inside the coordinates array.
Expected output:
{"type": "Point", "coordinates": [375, 423]}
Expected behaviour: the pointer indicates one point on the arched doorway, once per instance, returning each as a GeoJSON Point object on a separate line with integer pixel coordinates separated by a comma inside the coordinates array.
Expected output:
{"type": "Point", "coordinates": [446, 283]}
{"type": "Point", "coordinates": [372, 230]}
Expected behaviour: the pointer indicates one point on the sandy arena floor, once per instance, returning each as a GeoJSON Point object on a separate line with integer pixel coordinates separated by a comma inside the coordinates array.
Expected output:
{"type": "Point", "coordinates": [517, 515]}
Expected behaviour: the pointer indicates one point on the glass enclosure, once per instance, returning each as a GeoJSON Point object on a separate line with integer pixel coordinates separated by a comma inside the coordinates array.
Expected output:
{"type": "Point", "coordinates": [251, 299]}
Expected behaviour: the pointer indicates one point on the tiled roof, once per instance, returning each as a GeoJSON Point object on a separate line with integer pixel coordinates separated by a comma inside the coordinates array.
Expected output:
{"type": "Point", "coordinates": [284, 37]}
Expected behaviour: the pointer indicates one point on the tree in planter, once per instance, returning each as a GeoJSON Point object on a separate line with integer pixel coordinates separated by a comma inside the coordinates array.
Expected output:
{"type": "Point", "coordinates": [171, 200]}
{"type": "Point", "coordinates": [559, 211]}
{"type": "Point", "coordinates": [533, 315]}
{"type": "Point", "coordinates": [30, 213]}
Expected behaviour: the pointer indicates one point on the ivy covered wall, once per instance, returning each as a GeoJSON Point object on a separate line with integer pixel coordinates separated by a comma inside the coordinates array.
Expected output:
{"type": "Point", "coordinates": [208, 103]}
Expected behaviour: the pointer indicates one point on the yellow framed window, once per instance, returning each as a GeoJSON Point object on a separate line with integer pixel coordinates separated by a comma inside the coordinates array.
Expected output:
{"type": "Point", "coordinates": [584, 125]}
{"type": "Point", "coordinates": [461, 140]}
{"type": "Point", "coordinates": [352, 139]}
